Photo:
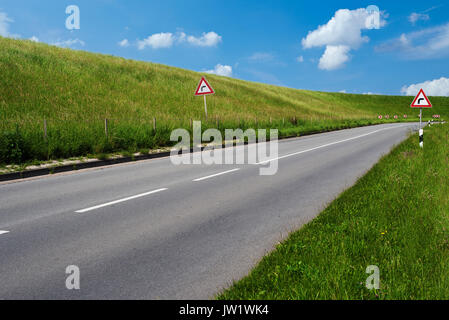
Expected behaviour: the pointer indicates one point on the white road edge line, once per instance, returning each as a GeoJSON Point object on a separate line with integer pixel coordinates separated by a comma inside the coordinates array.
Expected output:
{"type": "Point", "coordinates": [120, 200]}
{"type": "Point", "coordinates": [216, 175]}
{"type": "Point", "coordinates": [324, 145]}
{"type": "Point", "coordinates": [3, 232]}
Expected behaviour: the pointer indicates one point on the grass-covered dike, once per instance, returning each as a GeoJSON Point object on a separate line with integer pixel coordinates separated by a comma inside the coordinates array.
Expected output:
{"type": "Point", "coordinates": [395, 217]}
{"type": "Point", "coordinates": [73, 92]}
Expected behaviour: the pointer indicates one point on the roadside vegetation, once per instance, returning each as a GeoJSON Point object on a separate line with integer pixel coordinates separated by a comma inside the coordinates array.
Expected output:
{"type": "Point", "coordinates": [73, 92]}
{"type": "Point", "coordinates": [396, 217]}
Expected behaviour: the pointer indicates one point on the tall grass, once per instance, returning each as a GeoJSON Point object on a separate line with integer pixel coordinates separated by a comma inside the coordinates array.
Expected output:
{"type": "Point", "coordinates": [396, 217]}
{"type": "Point", "coordinates": [75, 91]}
{"type": "Point", "coordinates": [64, 139]}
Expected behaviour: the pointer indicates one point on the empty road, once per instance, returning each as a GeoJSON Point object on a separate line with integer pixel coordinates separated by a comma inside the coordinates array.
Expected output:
{"type": "Point", "coordinates": [153, 230]}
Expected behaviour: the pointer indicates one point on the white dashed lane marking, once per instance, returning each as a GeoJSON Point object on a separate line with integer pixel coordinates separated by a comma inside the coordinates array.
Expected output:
{"type": "Point", "coordinates": [120, 200]}
{"type": "Point", "coordinates": [216, 175]}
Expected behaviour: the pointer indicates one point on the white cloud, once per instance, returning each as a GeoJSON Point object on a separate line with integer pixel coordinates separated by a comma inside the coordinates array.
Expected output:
{"type": "Point", "coordinates": [340, 35]}
{"type": "Point", "coordinates": [221, 70]}
{"type": "Point", "coordinates": [124, 43]}
{"type": "Point", "coordinates": [425, 44]}
{"type": "Point", "coordinates": [261, 57]}
{"type": "Point", "coordinates": [69, 43]}
{"type": "Point", "coordinates": [4, 26]}
{"type": "Point", "coordinates": [265, 77]}
{"type": "Point", "coordinates": [342, 91]}
{"type": "Point", "coordinates": [4, 32]}
{"type": "Point", "coordinates": [300, 59]}
{"type": "Point", "coordinates": [439, 87]}
{"type": "Point", "coordinates": [168, 39]}
{"type": "Point", "coordinates": [266, 58]}
{"type": "Point", "coordinates": [343, 29]}
{"type": "Point", "coordinates": [181, 37]}
{"type": "Point", "coordinates": [415, 17]}
{"type": "Point", "coordinates": [334, 57]}
{"type": "Point", "coordinates": [210, 39]}
{"type": "Point", "coordinates": [157, 41]}
{"type": "Point", "coordinates": [403, 40]}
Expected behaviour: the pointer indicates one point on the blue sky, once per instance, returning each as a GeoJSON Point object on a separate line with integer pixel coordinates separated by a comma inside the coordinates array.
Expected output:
{"type": "Point", "coordinates": [263, 41]}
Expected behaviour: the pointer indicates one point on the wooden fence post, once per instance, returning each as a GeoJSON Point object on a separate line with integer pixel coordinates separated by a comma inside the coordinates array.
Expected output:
{"type": "Point", "coordinates": [106, 127]}
{"type": "Point", "coordinates": [45, 130]}
{"type": "Point", "coordinates": [154, 124]}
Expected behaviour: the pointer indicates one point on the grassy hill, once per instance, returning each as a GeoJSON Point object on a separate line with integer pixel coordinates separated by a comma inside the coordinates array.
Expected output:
{"type": "Point", "coordinates": [75, 91]}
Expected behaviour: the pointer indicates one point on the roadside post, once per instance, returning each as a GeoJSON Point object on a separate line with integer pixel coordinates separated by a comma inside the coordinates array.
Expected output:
{"type": "Point", "coordinates": [106, 127]}
{"type": "Point", "coordinates": [204, 89]}
{"type": "Point", "coordinates": [45, 130]}
{"type": "Point", "coordinates": [421, 101]}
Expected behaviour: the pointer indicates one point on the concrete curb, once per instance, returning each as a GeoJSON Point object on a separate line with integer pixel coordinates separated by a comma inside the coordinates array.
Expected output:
{"type": "Point", "coordinates": [78, 166]}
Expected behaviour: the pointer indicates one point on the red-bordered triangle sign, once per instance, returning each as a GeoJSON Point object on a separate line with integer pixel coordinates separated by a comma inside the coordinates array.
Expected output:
{"type": "Point", "coordinates": [204, 88]}
{"type": "Point", "coordinates": [421, 101]}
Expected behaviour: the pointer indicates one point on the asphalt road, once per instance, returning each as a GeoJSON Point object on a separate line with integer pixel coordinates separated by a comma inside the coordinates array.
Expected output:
{"type": "Point", "coordinates": [153, 230]}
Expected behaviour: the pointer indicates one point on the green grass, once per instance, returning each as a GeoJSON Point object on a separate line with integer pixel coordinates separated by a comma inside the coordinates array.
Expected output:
{"type": "Point", "coordinates": [395, 217]}
{"type": "Point", "coordinates": [75, 91]}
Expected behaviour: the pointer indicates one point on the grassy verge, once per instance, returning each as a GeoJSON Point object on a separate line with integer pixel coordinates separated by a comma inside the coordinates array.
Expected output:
{"type": "Point", "coordinates": [396, 217]}
{"type": "Point", "coordinates": [25, 145]}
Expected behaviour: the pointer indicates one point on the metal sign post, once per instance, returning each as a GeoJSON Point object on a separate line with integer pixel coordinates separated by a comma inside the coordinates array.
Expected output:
{"type": "Point", "coordinates": [420, 118]}
{"type": "Point", "coordinates": [421, 130]}
{"type": "Point", "coordinates": [205, 106]}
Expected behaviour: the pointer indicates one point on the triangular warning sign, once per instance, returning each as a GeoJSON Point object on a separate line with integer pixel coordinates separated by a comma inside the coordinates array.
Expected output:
{"type": "Point", "coordinates": [204, 88]}
{"type": "Point", "coordinates": [421, 101]}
